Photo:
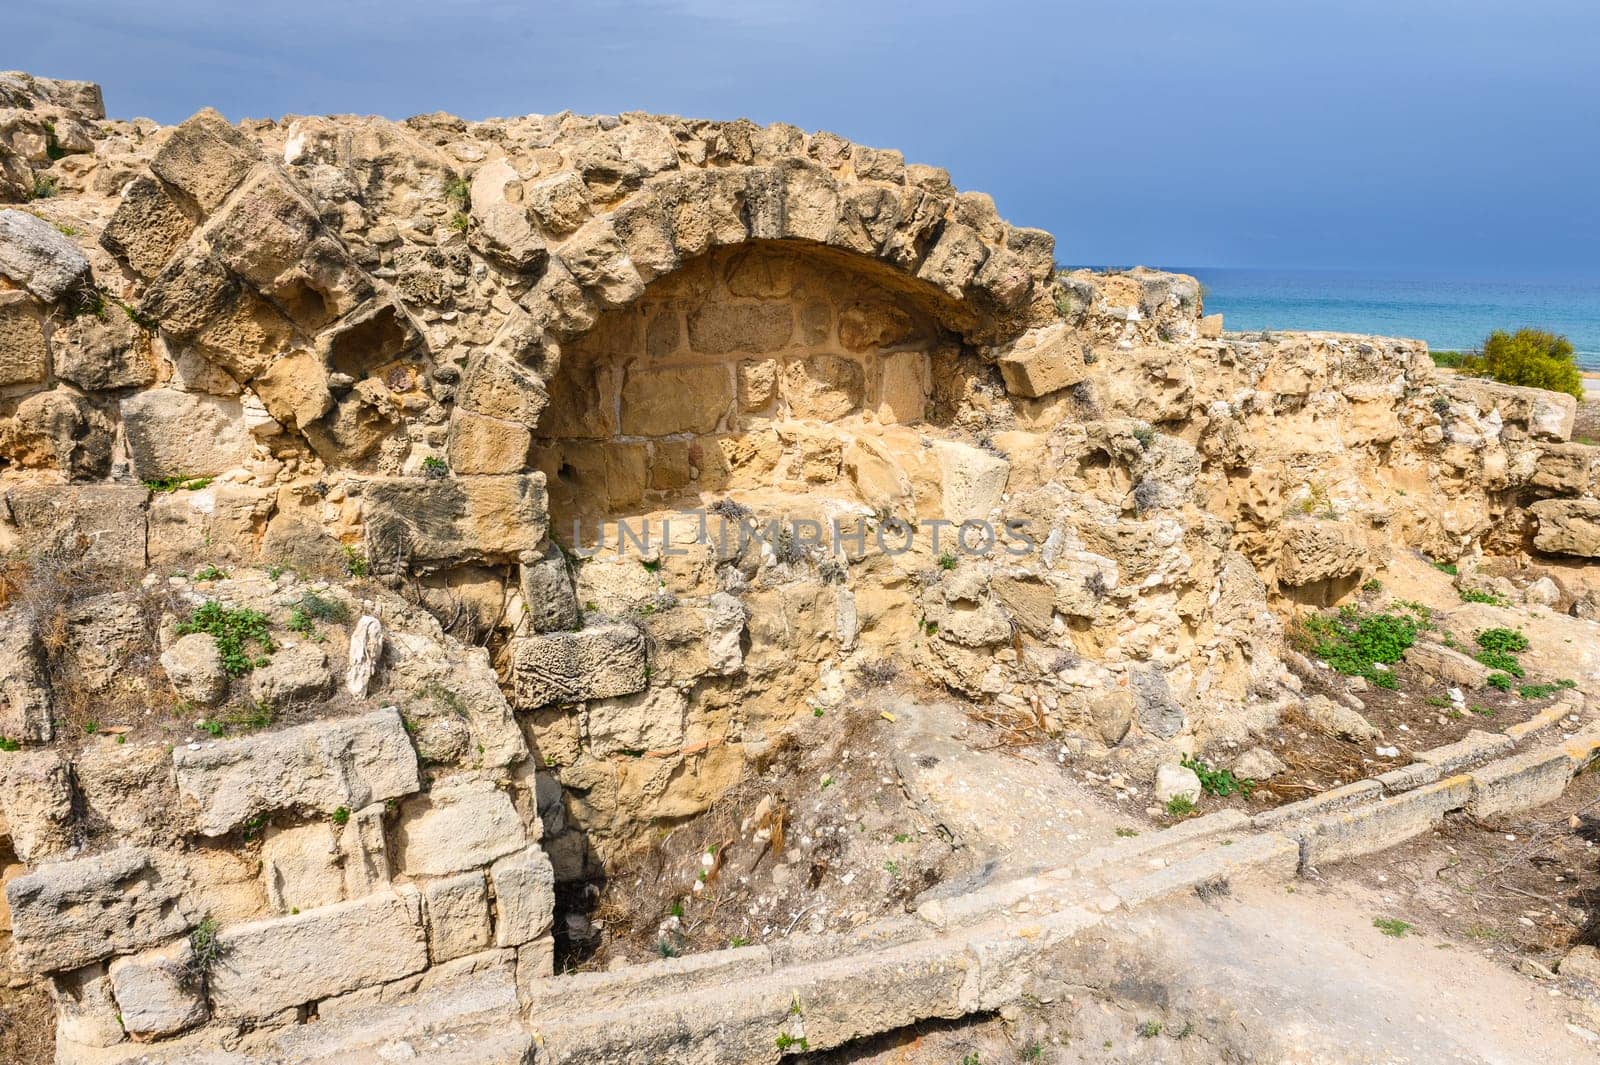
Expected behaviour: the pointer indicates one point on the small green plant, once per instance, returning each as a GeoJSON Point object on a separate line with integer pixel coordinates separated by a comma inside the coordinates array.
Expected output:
{"type": "Point", "coordinates": [1372, 586]}
{"type": "Point", "coordinates": [1538, 691]}
{"type": "Point", "coordinates": [1473, 595]}
{"type": "Point", "coordinates": [947, 561]}
{"type": "Point", "coordinates": [355, 561]}
{"type": "Point", "coordinates": [323, 608]}
{"type": "Point", "coordinates": [177, 484]}
{"type": "Point", "coordinates": [44, 187]}
{"type": "Point", "coordinates": [276, 570]}
{"type": "Point", "coordinates": [435, 467]}
{"type": "Point", "coordinates": [651, 565]}
{"type": "Point", "coordinates": [1127, 833]}
{"type": "Point", "coordinates": [666, 949]}
{"type": "Point", "coordinates": [1501, 681]}
{"type": "Point", "coordinates": [214, 727]}
{"type": "Point", "coordinates": [1511, 640]}
{"type": "Point", "coordinates": [785, 1041]}
{"type": "Point", "coordinates": [460, 222]}
{"type": "Point", "coordinates": [1485, 711]}
{"type": "Point", "coordinates": [91, 727]}
{"type": "Point", "coordinates": [1446, 567]}
{"type": "Point", "coordinates": [300, 621]}
{"type": "Point", "coordinates": [233, 629]}
{"type": "Point", "coordinates": [341, 816]}
{"type": "Point", "coordinates": [9, 745]}
{"type": "Point", "coordinates": [205, 950]}
{"type": "Point", "coordinates": [1149, 1029]}
{"type": "Point", "coordinates": [1180, 806]}
{"type": "Point", "coordinates": [1357, 643]}
{"type": "Point", "coordinates": [458, 190]}
{"type": "Point", "coordinates": [892, 868]}
{"type": "Point", "coordinates": [816, 711]}
{"type": "Point", "coordinates": [1033, 1051]}
{"type": "Point", "coordinates": [739, 941]}
{"type": "Point", "coordinates": [1145, 436]}
{"type": "Point", "coordinates": [1391, 926]}
{"type": "Point", "coordinates": [1501, 660]}
{"type": "Point", "coordinates": [1218, 782]}
{"type": "Point", "coordinates": [210, 573]}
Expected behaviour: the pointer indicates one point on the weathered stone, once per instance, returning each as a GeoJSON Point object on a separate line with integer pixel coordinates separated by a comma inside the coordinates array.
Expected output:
{"type": "Point", "coordinates": [482, 445]}
{"type": "Point", "coordinates": [524, 892]}
{"type": "Point", "coordinates": [283, 962]}
{"type": "Point", "coordinates": [24, 685]}
{"type": "Point", "coordinates": [103, 352]}
{"type": "Point", "coordinates": [294, 389]}
{"type": "Point", "coordinates": [598, 261]}
{"type": "Point", "coordinates": [24, 356]}
{"type": "Point", "coordinates": [72, 913]}
{"type": "Point", "coordinates": [1177, 782]}
{"type": "Point", "coordinates": [357, 425]}
{"type": "Point", "coordinates": [102, 524]}
{"type": "Point", "coordinates": [292, 675]}
{"type": "Point", "coordinates": [458, 916]}
{"type": "Point", "coordinates": [1315, 550]}
{"type": "Point", "coordinates": [318, 767]}
{"type": "Point", "coordinates": [36, 796]}
{"type": "Point", "coordinates": [1338, 720]}
{"type": "Point", "coordinates": [1258, 763]}
{"type": "Point", "coordinates": [678, 399]}
{"type": "Point", "coordinates": [454, 520]}
{"type": "Point", "coordinates": [35, 255]}
{"type": "Point", "coordinates": [60, 430]}
{"type": "Point", "coordinates": [194, 666]}
{"type": "Point", "coordinates": [730, 326]}
{"type": "Point", "coordinates": [301, 867]}
{"type": "Point", "coordinates": [547, 594]}
{"type": "Point", "coordinates": [157, 992]}
{"type": "Point", "coordinates": [181, 434]}
{"type": "Point", "coordinates": [560, 202]}
{"type": "Point", "coordinates": [1567, 527]}
{"type": "Point", "coordinates": [456, 827]}
{"type": "Point", "coordinates": [651, 720]}
{"type": "Point", "coordinates": [148, 228]}
{"type": "Point", "coordinates": [204, 158]}
{"type": "Point", "coordinates": [596, 663]}
{"type": "Point", "coordinates": [500, 387]}
{"type": "Point", "coordinates": [1043, 361]}
{"type": "Point", "coordinates": [1450, 666]}
{"type": "Point", "coordinates": [196, 300]}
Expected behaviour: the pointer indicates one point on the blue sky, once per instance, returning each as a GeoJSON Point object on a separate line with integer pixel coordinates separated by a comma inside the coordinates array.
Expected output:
{"type": "Point", "coordinates": [1434, 135]}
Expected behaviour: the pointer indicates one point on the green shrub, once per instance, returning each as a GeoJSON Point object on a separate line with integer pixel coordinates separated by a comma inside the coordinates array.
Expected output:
{"type": "Point", "coordinates": [1218, 782]}
{"type": "Point", "coordinates": [1472, 595]}
{"type": "Point", "coordinates": [1531, 357]}
{"type": "Point", "coordinates": [1502, 640]}
{"type": "Point", "coordinates": [1501, 681]}
{"type": "Point", "coordinates": [1448, 359]}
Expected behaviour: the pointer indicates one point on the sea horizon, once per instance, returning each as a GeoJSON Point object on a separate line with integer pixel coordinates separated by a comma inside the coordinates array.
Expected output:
{"type": "Point", "coordinates": [1450, 311]}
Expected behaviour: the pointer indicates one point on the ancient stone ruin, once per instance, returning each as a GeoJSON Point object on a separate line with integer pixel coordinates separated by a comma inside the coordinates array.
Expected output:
{"type": "Point", "coordinates": [407, 522]}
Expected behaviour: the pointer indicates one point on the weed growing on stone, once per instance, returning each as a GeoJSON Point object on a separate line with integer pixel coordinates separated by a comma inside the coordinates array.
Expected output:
{"type": "Point", "coordinates": [1499, 648]}
{"type": "Point", "coordinates": [1357, 643]}
{"type": "Point", "coordinates": [176, 484]}
{"type": "Point", "coordinates": [1149, 1029]}
{"type": "Point", "coordinates": [1446, 567]}
{"type": "Point", "coordinates": [1219, 782]}
{"type": "Point", "coordinates": [1473, 595]}
{"type": "Point", "coordinates": [947, 561]}
{"type": "Point", "coordinates": [786, 1041]}
{"type": "Point", "coordinates": [210, 573]}
{"type": "Point", "coordinates": [1500, 681]}
{"type": "Point", "coordinates": [1180, 806]}
{"type": "Point", "coordinates": [355, 562]}
{"type": "Point", "coordinates": [322, 608]}
{"type": "Point", "coordinates": [234, 630]}
{"type": "Point", "coordinates": [434, 467]}
{"type": "Point", "coordinates": [205, 950]}
{"type": "Point", "coordinates": [341, 816]}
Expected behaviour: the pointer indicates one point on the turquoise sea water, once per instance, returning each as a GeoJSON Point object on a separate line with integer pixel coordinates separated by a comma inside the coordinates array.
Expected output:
{"type": "Point", "coordinates": [1449, 313]}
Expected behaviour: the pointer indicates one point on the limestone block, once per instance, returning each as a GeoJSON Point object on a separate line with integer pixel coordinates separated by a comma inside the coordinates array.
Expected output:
{"type": "Point", "coordinates": [35, 255]}
{"type": "Point", "coordinates": [453, 519]}
{"type": "Point", "coordinates": [356, 427]}
{"type": "Point", "coordinates": [24, 356]}
{"type": "Point", "coordinates": [560, 202]}
{"type": "Point", "coordinates": [297, 674]}
{"type": "Point", "coordinates": [86, 1013]}
{"type": "Point", "coordinates": [1317, 550]}
{"type": "Point", "coordinates": [651, 720]}
{"type": "Point", "coordinates": [1450, 666]}
{"type": "Point", "coordinates": [1176, 782]}
{"type": "Point", "coordinates": [646, 235]}
{"type": "Point", "coordinates": [675, 399]}
{"type": "Point", "coordinates": [547, 594]}
{"type": "Point", "coordinates": [194, 666]}
{"type": "Point", "coordinates": [318, 767]}
{"type": "Point", "coordinates": [182, 434]}
{"type": "Point", "coordinates": [156, 994]}
{"type": "Point", "coordinates": [1338, 720]}
{"type": "Point", "coordinates": [1519, 783]}
{"type": "Point", "coordinates": [61, 430]}
{"type": "Point", "coordinates": [204, 158]}
{"type": "Point", "coordinates": [302, 867]}
{"type": "Point", "coordinates": [196, 300]}
{"type": "Point", "coordinates": [479, 444]}
{"type": "Point", "coordinates": [36, 797]}
{"type": "Point", "coordinates": [294, 388]}
{"type": "Point", "coordinates": [1043, 361]}
{"type": "Point", "coordinates": [1568, 469]}
{"type": "Point", "coordinates": [594, 663]}
{"type": "Point", "coordinates": [105, 522]}
{"type": "Point", "coordinates": [103, 352]}
{"type": "Point", "coordinates": [148, 227]}
{"type": "Point", "coordinates": [725, 625]}
{"type": "Point", "coordinates": [1375, 827]}
{"type": "Point", "coordinates": [458, 916]}
{"type": "Point", "coordinates": [524, 892]}
{"type": "Point", "coordinates": [69, 914]}
{"type": "Point", "coordinates": [597, 260]}
{"type": "Point", "coordinates": [276, 964]}
{"type": "Point", "coordinates": [972, 480]}
{"type": "Point", "coordinates": [498, 386]}
{"type": "Point", "coordinates": [826, 387]}
{"type": "Point", "coordinates": [904, 387]}
{"type": "Point", "coordinates": [1472, 749]}
{"type": "Point", "coordinates": [749, 326]}
{"type": "Point", "coordinates": [24, 685]}
{"type": "Point", "coordinates": [500, 229]}
{"type": "Point", "coordinates": [954, 258]}
{"type": "Point", "coordinates": [1567, 527]}
{"type": "Point", "coordinates": [221, 522]}
{"type": "Point", "coordinates": [456, 827]}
